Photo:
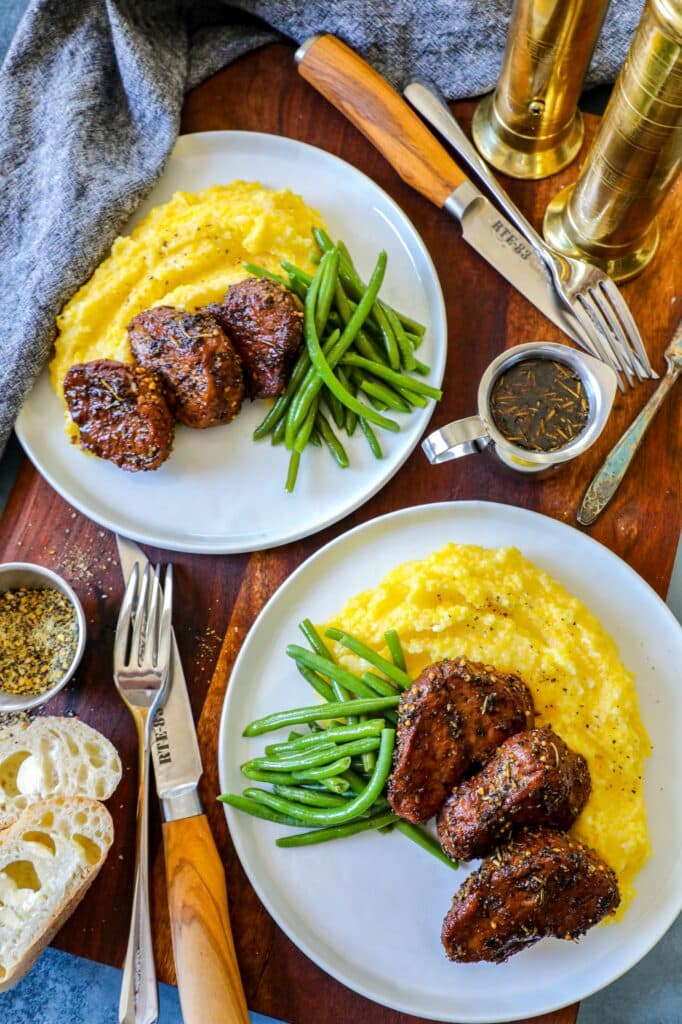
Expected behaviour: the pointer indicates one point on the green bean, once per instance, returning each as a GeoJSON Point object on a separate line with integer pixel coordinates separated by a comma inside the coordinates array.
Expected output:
{"type": "Point", "coordinates": [372, 440]}
{"type": "Point", "coordinates": [332, 441]}
{"type": "Point", "coordinates": [278, 433]}
{"type": "Point", "coordinates": [397, 379]}
{"type": "Point", "coordinates": [337, 785]}
{"type": "Point", "coordinates": [282, 404]}
{"type": "Point", "coordinates": [329, 669]}
{"type": "Point", "coordinates": [404, 347]}
{"type": "Point", "coordinates": [294, 271]}
{"type": "Point", "coordinates": [423, 838]}
{"type": "Point", "coordinates": [324, 242]}
{"type": "Point", "coordinates": [313, 637]}
{"type": "Point", "coordinates": [318, 713]}
{"type": "Point", "coordinates": [294, 460]}
{"type": "Point", "coordinates": [318, 359]}
{"type": "Point", "coordinates": [322, 771]}
{"type": "Point", "coordinates": [395, 649]}
{"type": "Point", "coordinates": [257, 271]}
{"type": "Point", "coordinates": [354, 781]}
{"type": "Point", "coordinates": [337, 733]}
{"type": "Point", "coordinates": [389, 397]}
{"type": "Point", "coordinates": [257, 775]}
{"type": "Point", "coordinates": [324, 753]}
{"type": "Point", "coordinates": [328, 272]}
{"type": "Point", "coordinates": [315, 438]}
{"type": "Point", "coordinates": [318, 684]}
{"type": "Point", "coordinates": [413, 398]}
{"type": "Point", "coordinates": [305, 433]}
{"type": "Point", "coordinates": [310, 796]}
{"type": "Point", "coordinates": [379, 685]}
{"type": "Point", "coordinates": [337, 410]}
{"type": "Point", "coordinates": [325, 835]}
{"type": "Point", "coordinates": [350, 420]}
{"type": "Point", "coordinates": [258, 810]}
{"type": "Point", "coordinates": [365, 652]}
{"type": "Point", "coordinates": [296, 412]}
{"type": "Point", "coordinates": [361, 802]}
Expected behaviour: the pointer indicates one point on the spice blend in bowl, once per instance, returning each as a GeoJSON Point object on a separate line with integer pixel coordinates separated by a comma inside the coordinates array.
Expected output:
{"type": "Point", "coordinates": [42, 635]}
{"type": "Point", "coordinates": [539, 404]}
{"type": "Point", "coordinates": [38, 639]}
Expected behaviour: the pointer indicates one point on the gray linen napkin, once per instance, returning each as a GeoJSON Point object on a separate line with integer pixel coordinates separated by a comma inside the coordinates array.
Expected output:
{"type": "Point", "coordinates": [90, 95]}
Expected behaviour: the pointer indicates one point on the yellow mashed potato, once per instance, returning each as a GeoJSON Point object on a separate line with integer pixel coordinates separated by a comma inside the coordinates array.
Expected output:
{"type": "Point", "coordinates": [496, 607]}
{"type": "Point", "coordinates": [184, 253]}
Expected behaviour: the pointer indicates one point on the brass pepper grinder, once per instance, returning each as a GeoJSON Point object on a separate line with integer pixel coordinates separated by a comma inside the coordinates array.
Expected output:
{"type": "Point", "coordinates": [530, 127]}
{"type": "Point", "coordinates": [609, 215]}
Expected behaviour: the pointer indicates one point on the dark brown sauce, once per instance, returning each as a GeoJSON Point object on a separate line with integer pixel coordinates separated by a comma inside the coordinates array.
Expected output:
{"type": "Point", "coordinates": [539, 404]}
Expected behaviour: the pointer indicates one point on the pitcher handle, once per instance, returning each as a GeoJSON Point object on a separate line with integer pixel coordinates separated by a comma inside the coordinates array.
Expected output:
{"type": "Point", "coordinates": [461, 437]}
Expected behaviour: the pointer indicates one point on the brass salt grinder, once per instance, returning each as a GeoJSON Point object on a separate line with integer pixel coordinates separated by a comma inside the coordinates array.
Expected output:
{"type": "Point", "coordinates": [608, 217]}
{"type": "Point", "coordinates": [530, 127]}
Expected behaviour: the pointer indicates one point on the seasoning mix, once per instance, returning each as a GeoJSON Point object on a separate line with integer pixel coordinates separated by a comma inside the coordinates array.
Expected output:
{"type": "Point", "coordinates": [539, 404]}
{"type": "Point", "coordinates": [38, 639]}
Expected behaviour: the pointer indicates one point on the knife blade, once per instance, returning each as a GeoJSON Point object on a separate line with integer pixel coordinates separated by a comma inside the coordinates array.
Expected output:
{"type": "Point", "coordinates": [175, 748]}
{"type": "Point", "coordinates": [376, 109]}
{"type": "Point", "coordinates": [206, 965]}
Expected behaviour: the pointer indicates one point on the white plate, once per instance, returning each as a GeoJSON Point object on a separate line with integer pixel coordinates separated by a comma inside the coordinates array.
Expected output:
{"type": "Point", "coordinates": [220, 492]}
{"type": "Point", "coordinates": [369, 909]}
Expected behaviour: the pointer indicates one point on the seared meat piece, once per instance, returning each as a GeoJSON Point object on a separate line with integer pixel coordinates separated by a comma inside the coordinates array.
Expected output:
{"type": "Point", "coordinates": [266, 326]}
{"type": "Point", "coordinates": [200, 369]}
{"type": "Point", "coordinates": [121, 413]}
{"type": "Point", "coordinates": [532, 779]}
{"type": "Point", "coordinates": [453, 717]}
{"type": "Point", "coordinates": [542, 883]}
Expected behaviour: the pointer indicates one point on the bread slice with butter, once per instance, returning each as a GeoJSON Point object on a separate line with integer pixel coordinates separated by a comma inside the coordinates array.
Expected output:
{"type": "Point", "coordinates": [49, 857]}
{"type": "Point", "coordinates": [53, 757]}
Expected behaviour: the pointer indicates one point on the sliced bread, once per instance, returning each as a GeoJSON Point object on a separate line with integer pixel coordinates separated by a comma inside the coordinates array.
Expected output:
{"type": "Point", "coordinates": [54, 757]}
{"type": "Point", "coordinates": [48, 859]}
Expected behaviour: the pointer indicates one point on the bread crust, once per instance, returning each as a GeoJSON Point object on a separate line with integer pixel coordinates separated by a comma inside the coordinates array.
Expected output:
{"type": "Point", "coordinates": [76, 888]}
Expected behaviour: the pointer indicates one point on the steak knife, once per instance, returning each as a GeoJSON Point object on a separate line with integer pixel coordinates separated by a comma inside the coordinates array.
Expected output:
{"type": "Point", "coordinates": [376, 109]}
{"type": "Point", "coordinates": [209, 984]}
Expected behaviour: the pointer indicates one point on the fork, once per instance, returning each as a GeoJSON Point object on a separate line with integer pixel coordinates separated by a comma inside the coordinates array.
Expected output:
{"type": "Point", "coordinates": [588, 293]}
{"type": "Point", "coordinates": [142, 650]}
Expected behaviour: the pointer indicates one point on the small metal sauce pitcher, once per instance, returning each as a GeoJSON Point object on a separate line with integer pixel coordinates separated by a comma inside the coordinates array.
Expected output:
{"type": "Point", "coordinates": [475, 433]}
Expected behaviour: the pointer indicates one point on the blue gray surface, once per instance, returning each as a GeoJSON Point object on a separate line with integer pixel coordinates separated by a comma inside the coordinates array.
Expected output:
{"type": "Point", "coordinates": [63, 988]}
{"type": "Point", "coordinates": [66, 988]}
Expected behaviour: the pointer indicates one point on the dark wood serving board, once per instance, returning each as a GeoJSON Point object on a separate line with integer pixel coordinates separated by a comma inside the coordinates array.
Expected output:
{"type": "Point", "coordinates": [218, 597]}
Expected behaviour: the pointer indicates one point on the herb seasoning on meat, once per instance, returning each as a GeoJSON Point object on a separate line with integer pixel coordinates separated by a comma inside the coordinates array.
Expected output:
{"type": "Point", "coordinates": [539, 404]}
{"type": "Point", "coordinates": [38, 639]}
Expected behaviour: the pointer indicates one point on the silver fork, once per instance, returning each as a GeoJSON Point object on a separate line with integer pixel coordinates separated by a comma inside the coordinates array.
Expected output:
{"type": "Point", "coordinates": [142, 651]}
{"type": "Point", "coordinates": [587, 292]}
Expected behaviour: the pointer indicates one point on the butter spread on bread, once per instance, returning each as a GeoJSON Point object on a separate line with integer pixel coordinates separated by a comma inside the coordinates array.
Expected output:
{"type": "Point", "coordinates": [54, 757]}
{"type": "Point", "coordinates": [48, 859]}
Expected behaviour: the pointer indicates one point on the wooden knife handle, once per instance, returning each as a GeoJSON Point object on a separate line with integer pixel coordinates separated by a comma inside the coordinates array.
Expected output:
{"type": "Point", "coordinates": [376, 109]}
{"type": "Point", "coordinates": [205, 961]}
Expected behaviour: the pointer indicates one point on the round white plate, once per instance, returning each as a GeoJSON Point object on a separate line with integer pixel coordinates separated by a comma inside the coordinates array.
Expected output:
{"type": "Point", "coordinates": [220, 492]}
{"type": "Point", "coordinates": [369, 909]}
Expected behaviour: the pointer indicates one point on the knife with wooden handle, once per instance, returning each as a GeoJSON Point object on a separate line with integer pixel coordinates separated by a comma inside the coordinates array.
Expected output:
{"type": "Point", "coordinates": [206, 966]}
{"type": "Point", "coordinates": [380, 113]}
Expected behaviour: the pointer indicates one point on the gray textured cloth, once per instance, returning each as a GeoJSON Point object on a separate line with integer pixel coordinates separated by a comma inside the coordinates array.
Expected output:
{"type": "Point", "coordinates": [90, 95]}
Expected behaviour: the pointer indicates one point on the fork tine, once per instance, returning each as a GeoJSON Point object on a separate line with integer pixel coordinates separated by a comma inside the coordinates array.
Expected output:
{"type": "Point", "coordinates": [140, 617]}
{"type": "Point", "coordinates": [124, 617]}
{"type": "Point", "coordinates": [151, 632]}
{"type": "Point", "coordinates": [622, 311]}
{"type": "Point", "coordinates": [166, 627]}
{"type": "Point", "coordinates": [605, 354]}
{"type": "Point", "coordinates": [621, 350]}
{"type": "Point", "coordinates": [614, 326]}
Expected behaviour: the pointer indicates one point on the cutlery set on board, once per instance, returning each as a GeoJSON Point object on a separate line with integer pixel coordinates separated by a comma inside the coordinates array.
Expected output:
{"type": "Point", "coordinates": [608, 354]}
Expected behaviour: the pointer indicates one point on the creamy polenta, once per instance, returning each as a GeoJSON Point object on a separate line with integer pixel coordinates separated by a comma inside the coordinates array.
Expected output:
{"type": "Point", "coordinates": [185, 253]}
{"type": "Point", "coordinates": [496, 607]}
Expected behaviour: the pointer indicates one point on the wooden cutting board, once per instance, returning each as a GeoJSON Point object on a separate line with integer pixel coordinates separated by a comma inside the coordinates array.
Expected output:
{"type": "Point", "coordinates": [219, 597]}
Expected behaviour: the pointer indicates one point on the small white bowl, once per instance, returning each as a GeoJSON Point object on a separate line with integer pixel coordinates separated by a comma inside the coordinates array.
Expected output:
{"type": "Point", "coordinates": [24, 574]}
